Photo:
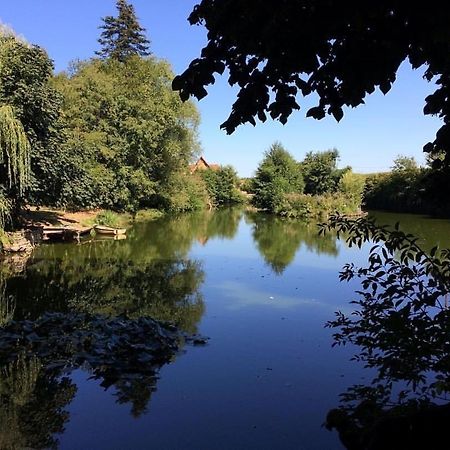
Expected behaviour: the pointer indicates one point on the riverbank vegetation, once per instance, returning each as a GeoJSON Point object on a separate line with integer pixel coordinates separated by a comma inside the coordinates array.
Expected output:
{"type": "Point", "coordinates": [409, 188]}
{"type": "Point", "coordinates": [109, 133]}
{"type": "Point", "coordinates": [311, 188]}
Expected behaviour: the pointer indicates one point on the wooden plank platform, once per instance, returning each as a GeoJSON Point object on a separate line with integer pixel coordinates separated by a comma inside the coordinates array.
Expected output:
{"type": "Point", "coordinates": [64, 233]}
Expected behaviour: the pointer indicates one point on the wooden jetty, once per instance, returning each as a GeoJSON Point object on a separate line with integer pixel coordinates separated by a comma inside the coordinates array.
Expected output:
{"type": "Point", "coordinates": [64, 232]}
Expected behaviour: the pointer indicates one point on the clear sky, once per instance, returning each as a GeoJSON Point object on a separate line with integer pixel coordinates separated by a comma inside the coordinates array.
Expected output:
{"type": "Point", "coordinates": [368, 138]}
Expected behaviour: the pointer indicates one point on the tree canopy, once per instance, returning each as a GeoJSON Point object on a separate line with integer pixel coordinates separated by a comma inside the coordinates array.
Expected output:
{"type": "Point", "coordinates": [320, 172]}
{"type": "Point", "coordinates": [130, 134]}
{"type": "Point", "coordinates": [340, 51]}
{"type": "Point", "coordinates": [276, 175]}
{"type": "Point", "coordinates": [30, 120]}
{"type": "Point", "coordinates": [123, 36]}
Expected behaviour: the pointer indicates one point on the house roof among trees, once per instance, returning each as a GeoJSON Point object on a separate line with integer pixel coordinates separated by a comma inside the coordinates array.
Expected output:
{"type": "Point", "coordinates": [202, 164]}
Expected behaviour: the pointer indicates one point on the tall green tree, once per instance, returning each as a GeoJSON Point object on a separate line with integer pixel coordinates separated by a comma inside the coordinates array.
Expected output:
{"type": "Point", "coordinates": [123, 36]}
{"type": "Point", "coordinates": [278, 174]}
{"type": "Point", "coordinates": [31, 110]}
{"type": "Point", "coordinates": [320, 172]}
{"type": "Point", "coordinates": [130, 133]}
{"type": "Point", "coordinates": [222, 185]}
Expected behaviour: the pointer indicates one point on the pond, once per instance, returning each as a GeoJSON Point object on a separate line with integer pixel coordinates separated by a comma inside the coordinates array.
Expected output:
{"type": "Point", "coordinates": [260, 288]}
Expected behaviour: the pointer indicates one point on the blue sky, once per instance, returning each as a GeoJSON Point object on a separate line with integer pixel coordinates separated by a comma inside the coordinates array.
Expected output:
{"type": "Point", "coordinates": [368, 138]}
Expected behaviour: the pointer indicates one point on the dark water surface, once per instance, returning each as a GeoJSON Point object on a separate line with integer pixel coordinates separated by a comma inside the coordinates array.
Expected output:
{"type": "Point", "coordinates": [259, 287]}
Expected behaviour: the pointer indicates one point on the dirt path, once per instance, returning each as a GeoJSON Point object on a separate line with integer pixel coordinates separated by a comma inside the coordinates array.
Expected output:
{"type": "Point", "coordinates": [35, 216]}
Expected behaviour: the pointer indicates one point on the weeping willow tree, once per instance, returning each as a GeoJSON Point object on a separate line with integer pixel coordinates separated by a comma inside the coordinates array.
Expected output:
{"type": "Point", "coordinates": [14, 150]}
{"type": "Point", "coordinates": [5, 209]}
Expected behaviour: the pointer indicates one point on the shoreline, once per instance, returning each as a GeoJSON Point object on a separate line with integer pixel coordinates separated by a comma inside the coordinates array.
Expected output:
{"type": "Point", "coordinates": [23, 239]}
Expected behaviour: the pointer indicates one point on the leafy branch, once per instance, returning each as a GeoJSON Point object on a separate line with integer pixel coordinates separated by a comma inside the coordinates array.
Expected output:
{"type": "Point", "coordinates": [401, 323]}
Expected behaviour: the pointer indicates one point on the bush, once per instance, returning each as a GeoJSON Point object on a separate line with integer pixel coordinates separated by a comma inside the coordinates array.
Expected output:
{"type": "Point", "coordinates": [222, 186]}
{"type": "Point", "coordinates": [400, 190]}
{"type": "Point", "coordinates": [305, 206]}
{"type": "Point", "coordinates": [320, 172]}
{"type": "Point", "coordinates": [107, 218]}
{"type": "Point", "coordinates": [352, 186]}
{"type": "Point", "coordinates": [247, 185]}
{"type": "Point", "coordinates": [184, 192]}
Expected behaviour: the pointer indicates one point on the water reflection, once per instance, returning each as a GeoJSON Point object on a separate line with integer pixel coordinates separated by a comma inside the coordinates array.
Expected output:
{"type": "Point", "coordinates": [37, 358]}
{"type": "Point", "coordinates": [278, 239]}
{"type": "Point", "coordinates": [166, 290]}
{"type": "Point", "coordinates": [257, 322]}
{"type": "Point", "coordinates": [431, 231]}
{"type": "Point", "coordinates": [32, 404]}
{"type": "Point", "coordinates": [401, 332]}
{"type": "Point", "coordinates": [147, 275]}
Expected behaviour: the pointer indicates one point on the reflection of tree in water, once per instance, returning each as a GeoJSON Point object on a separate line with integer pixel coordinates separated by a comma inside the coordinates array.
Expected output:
{"type": "Point", "coordinates": [164, 290]}
{"type": "Point", "coordinates": [173, 236]}
{"type": "Point", "coordinates": [95, 279]}
{"type": "Point", "coordinates": [147, 275]}
{"type": "Point", "coordinates": [32, 403]}
{"type": "Point", "coordinates": [432, 231]}
{"type": "Point", "coordinates": [401, 328]}
{"type": "Point", "coordinates": [7, 301]}
{"type": "Point", "coordinates": [37, 357]}
{"type": "Point", "coordinates": [168, 238]}
{"type": "Point", "coordinates": [278, 239]}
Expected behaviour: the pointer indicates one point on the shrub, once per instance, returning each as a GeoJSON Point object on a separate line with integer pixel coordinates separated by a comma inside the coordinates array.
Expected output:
{"type": "Point", "coordinates": [352, 186]}
{"type": "Point", "coordinates": [320, 172]}
{"type": "Point", "coordinates": [401, 190]}
{"type": "Point", "coordinates": [107, 218]}
{"type": "Point", "coordinates": [247, 185]}
{"type": "Point", "coordinates": [184, 192]}
{"type": "Point", "coordinates": [307, 206]}
{"type": "Point", "coordinates": [222, 186]}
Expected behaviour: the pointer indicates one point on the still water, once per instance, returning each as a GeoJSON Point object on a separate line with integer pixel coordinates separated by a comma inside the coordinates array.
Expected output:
{"type": "Point", "coordinates": [259, 287]}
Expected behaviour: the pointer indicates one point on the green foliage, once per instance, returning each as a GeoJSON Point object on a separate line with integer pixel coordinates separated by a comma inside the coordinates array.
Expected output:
{"type": "Point", "coordinates": [108, 218]}
{"type": "Point", "coordinates": [25, 74]}
{"type": "Point", "coordinates": [184, 192]}
{"type": "Point", "coordinates": [277, 174]}
{"type": "Point", "coordinates": [401, 324]}
{"type": "Point", "coordinates": [122, 36]}
{"type": "Point", "coordinates": [401, 190]}
{"type": "Point", "coordinates": [128, 134]}
{"type": "Point", "coordinates": [352, 186]}
{"type": "Point", "coordinates": [320, 172]}
{"type": "Point", "coordinates": [339, 51]}
{"type": "Point", "coordinates": [305, 206]}
{"type": "Point", "coordinates": [279, 183]}
{"type": "Point", "coordinates": [222, 186]}
{"type": "Point", "coordinates": [405, 164]}
{"type": "Point", "coordinates": [247, 185]}
{"type": "Point", "coordinates": [147, 215]}
{"type": "Point", "coordinates": [14, 152]}
{"type": "Point", "coordinates": [6, 206]}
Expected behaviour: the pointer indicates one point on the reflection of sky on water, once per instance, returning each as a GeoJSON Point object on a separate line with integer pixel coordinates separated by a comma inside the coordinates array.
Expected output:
{"type": "Point", "coordinates": [242, 296]}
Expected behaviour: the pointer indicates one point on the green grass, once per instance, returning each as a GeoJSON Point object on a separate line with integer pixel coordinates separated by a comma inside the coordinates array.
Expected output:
{"type": "Point", "coordinates": [107, 218]}
{"type": "Point", "coordinates": [148, 214]}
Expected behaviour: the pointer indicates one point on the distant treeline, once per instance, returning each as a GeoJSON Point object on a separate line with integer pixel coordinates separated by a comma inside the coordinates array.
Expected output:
{"type": "Point", "coordinates": [410, 188]}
